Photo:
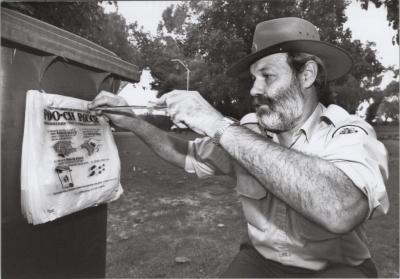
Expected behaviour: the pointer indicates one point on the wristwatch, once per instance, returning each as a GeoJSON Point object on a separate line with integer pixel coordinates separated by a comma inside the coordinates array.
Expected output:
{"type": "Point", "coordinates": [224, 124]}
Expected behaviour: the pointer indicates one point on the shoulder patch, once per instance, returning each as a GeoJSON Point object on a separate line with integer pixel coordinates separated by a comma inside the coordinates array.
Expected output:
{"type": "Point", "coordinates": [349, 129]}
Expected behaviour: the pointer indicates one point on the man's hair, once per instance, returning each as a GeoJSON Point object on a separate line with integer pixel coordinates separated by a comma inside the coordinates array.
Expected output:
{"type": "Point", "coordinates": [297, 60]}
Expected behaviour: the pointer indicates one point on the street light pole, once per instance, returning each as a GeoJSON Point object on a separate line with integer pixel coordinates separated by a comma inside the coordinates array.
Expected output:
{"type": "Point", "coordinates": [187, 71]}
{"type": "Point", "coordinates": [187, 79]}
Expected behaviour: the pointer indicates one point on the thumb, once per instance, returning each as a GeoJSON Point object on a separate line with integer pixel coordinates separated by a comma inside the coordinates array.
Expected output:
{"type": "Point", "coordinates": [160, 101]}
{"type": "Point", "coordinates": [163, 99]}
{"type": "Point", "coordinates": [105, 93]}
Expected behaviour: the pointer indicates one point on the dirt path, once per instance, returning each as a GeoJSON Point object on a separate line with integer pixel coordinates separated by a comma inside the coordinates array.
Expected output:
{"type": "Point", "coordinates": [166, 213]}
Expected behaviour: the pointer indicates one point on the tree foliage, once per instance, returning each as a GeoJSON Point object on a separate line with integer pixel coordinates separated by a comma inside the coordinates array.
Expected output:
{"type": "Point", "coordinates": [392, 8]}
{"type": "Point", "coordinates": [390, 106]}
{"type": "Point", "coordinates": [384, 102]}
{"type": "Point", "coordinates": [222, 34]}
{"type": "Point", "coordinates": [86, 19]}
{"type": "Point", "coordinates": [392, 89]}
{"type": "Point", "coordinates": [209, 36]}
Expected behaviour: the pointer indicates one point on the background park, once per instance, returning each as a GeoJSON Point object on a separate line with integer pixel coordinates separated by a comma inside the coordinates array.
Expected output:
{"type": "Point", "coordinates": [171, 224]}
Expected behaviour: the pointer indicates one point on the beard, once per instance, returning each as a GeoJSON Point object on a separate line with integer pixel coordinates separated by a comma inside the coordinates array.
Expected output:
{"type": "Point", "coordinates": [282, 111]}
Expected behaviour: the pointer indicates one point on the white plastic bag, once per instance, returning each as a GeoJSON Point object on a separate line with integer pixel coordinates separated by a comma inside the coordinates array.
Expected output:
{"type": "Point", "coordinates": [69, 158]}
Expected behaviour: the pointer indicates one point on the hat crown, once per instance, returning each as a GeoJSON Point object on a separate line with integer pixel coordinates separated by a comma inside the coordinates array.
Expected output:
{"type": "Point", "coordinates": [292, 34]}
{"type": "Point", "coordinates": [276, 31]}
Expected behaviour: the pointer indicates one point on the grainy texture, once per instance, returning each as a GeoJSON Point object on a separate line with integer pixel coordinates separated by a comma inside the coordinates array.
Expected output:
{"type": "Point", "coordinates": [166, 213]}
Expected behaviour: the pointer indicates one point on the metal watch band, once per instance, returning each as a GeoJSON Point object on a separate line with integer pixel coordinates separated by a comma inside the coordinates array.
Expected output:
{"type": "Point", "coordinates": [225, 124]}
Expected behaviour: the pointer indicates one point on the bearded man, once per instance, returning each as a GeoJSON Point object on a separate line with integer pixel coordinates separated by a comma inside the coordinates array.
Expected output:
{"type": "Point", "coordinates": [308, 178]}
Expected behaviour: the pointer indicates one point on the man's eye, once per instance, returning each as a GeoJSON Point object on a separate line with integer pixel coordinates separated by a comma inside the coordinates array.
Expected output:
{"type": "Point", "coordinates": [266, 76]}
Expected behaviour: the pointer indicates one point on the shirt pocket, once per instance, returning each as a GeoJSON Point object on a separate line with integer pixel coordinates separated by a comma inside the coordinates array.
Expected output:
{"type": "Point", "coordinates": [248, 186]}
{"type": "Point", "coordinates": [309, 230]}
{"type": "Point", "coordinates": [253, 210]}
{"type": "Point", "coordinates": [253, 197]}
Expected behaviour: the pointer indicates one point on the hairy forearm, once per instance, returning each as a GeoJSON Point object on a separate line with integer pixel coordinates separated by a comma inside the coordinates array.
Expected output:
{"type": "Point", "coordinates": [312, 186]}
{"type": "Point", "coordinates": [168, 147]}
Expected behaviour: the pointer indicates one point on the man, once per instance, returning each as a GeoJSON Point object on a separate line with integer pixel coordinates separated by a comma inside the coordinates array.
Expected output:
{"type": "Point", "coordinates": [310, 177]}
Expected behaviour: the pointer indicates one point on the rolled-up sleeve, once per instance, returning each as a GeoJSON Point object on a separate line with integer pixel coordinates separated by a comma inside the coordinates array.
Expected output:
{"type": "Point", "coordinates": [206, 159]}
{"type": "Point", "coordinates": [364, 160]}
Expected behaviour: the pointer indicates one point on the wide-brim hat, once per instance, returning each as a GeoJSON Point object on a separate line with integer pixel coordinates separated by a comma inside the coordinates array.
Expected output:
{"type": "Point", "coordinates": [293, 34]}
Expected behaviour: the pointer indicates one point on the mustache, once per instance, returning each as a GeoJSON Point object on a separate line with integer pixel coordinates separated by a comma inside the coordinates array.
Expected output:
{"type": "Point", "coordinates": [260, 100]}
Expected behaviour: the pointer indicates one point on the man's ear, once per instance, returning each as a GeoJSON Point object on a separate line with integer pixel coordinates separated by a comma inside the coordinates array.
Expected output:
{"type": "Point", "coordinates": [308, 74]}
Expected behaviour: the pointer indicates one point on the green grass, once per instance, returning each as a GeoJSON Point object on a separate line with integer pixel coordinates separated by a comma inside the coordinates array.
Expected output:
{"type": "Point", "coordinates": [165, 213]}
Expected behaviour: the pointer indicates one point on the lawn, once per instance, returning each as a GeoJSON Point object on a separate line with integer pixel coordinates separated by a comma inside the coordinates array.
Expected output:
{"type": "Point", "coordinates": [171, 224]}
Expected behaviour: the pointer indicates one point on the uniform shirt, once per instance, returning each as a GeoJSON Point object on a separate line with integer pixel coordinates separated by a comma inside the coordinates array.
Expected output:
{"type": "Point", "coordinates": [277, 231]}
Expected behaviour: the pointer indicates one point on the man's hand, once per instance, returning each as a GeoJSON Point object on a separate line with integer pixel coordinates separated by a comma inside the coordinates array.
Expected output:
{"type": "Point", "coordinates": [105, 99]}
{"type": "Point", "coordinates": [191, 109]}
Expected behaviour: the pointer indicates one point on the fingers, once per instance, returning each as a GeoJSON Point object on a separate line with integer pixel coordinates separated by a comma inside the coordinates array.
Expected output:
{"type": "Point", "coordinates": [179, 126]}
{"type": "Point", "coordinates": [109, 113]}
{"type": "Point", "coordinates": [105, 93]}
{"type": "Point", "coordinates": [99, 101]}
{"type": "Point", "coordinates": [180, 103]}
{"type": "Point", "coordinates": [105, 98]}
{"type": "Point", "coordinates": [175, 117]}
{"type": "Point", "coordinates": [163, 99]}
{"type": "Point", "coordinates": [167, 97]}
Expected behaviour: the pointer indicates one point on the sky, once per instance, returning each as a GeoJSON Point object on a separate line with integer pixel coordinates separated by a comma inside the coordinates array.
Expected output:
{"type": "Point", "coordinates": [370, 25]}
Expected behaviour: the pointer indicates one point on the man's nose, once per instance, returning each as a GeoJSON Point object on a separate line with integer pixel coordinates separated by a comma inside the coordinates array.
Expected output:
{"type": "Point", "coordinates": [257, 88]}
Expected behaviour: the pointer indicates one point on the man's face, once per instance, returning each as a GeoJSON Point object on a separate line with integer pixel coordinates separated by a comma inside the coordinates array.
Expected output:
{"type": "Point", "coordinates": [276, 93]}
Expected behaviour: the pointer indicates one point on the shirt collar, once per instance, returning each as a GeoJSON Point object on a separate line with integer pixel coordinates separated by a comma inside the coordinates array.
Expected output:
{"type": "Point", "coordinates": [313, 120]}
{"type": "Point", "coordinates": [335, 114]}
{"type": "Point", "coordinates": [311, 123]}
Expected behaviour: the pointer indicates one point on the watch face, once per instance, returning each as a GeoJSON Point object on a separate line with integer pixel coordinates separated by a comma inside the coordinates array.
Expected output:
{"type": "Point", "coordinates": [225, 124]}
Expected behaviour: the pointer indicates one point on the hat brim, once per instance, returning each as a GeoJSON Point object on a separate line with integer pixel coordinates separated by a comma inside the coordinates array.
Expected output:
{"type": "Point", "coordinates": [337, 61]}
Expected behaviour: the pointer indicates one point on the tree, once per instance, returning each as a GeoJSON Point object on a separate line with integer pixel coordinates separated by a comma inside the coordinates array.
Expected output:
{"type": "Point", "coordinates": [392, 89]}
{"type": "Point", "coordinates": [347, 94]}
{"type": "Point", "coordinates": [392, 7]}
{"type": "Point", "coordinates": [385, 102]}
{"type": "Point", "coordinates": [390, 106]}
{"type": "Point", "coordinates": [222, 34]}
{"type": "Point", "coordinates": [389, 111]}
{"type": "Point", "coordinates": [86, 19]}
{"type": "Point", "coordinates": [80, 18]}
{"type": "Point", "coordinates": [212, 35]}
{"type": "Point", "coordinates": [156, 53]}
{"type": "Point", "coordinates": [130, 42]}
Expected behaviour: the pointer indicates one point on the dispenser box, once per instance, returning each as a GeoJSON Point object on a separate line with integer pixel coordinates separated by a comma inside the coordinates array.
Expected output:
{"type": "Point", "coordinates": [39, 56]}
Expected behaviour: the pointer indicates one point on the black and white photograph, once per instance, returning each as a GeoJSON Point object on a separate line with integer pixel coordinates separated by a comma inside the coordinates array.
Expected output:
{"type": "Point", "coordinates": [200, 139]}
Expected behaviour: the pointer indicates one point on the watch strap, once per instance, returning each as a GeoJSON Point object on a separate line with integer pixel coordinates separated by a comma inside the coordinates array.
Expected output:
{"type": "Point", "coordinates": [224, 125]}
